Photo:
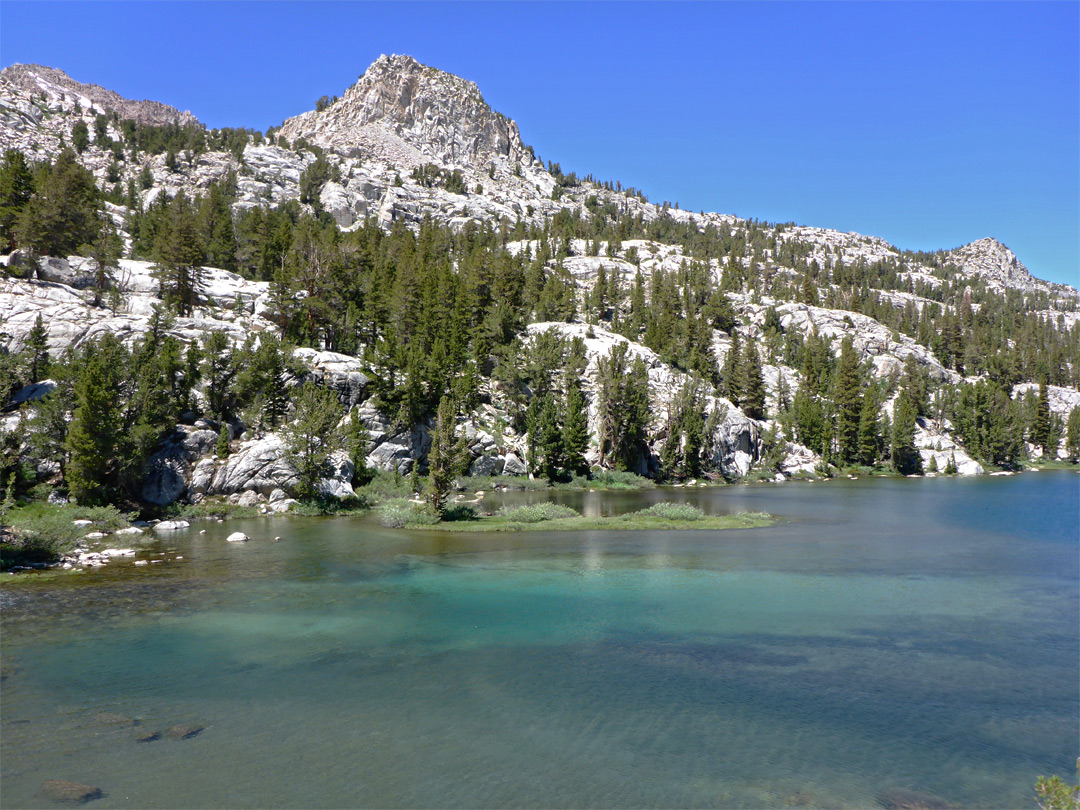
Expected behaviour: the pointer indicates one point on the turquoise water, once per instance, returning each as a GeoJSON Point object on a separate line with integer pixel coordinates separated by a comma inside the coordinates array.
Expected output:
{"type": "Point", "coordinates": [889, 636]}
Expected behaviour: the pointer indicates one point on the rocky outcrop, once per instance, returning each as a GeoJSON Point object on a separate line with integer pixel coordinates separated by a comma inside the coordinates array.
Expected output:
{"type": "Point", "coordinates": [169, 470]}
{"type": "Point", "coordinates": [994, 262]}
{"type": "Point", "coordinates": [340, 373]}
{"type": "Point", "coordinates": [59, 88]}
{"type": "Point", "coordinates": [406, 113]}
{"type": "Point", "coordinates": [258, 466]}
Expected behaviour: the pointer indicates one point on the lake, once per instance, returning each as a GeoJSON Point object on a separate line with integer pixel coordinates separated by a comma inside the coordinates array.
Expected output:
{"type": "Point", "coordinates": [889, 637]}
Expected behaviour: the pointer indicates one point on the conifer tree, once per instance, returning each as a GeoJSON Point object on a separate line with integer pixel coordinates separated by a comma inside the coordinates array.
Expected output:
{"type": "Point", "coordinates": [869, 428]}
{"type": "Point", "coordinates": [94, 435]}
{"type": "Point", "coordinates": [576, 430]}
{"type": "Point", "coordinates": [37, 349]}
{"type": "Point", "coordinates": [16, 189]}
{"type": "Point", "coordinates": [312, 436]}
{"type": "Point", "coordinates": [906, 459]}
{"type": "Point", "coordinates": [1041, 433]}
{"type": "Point", "coordinates": [446, 456]}
{"type": "Point", "coordinates": [62, 215]}
{"type": "Point", "coordinates": [218, 370]}
{"type": "Point", "coordinates": [178, 256]}
{"type": "Point", "coordinates": [752, 385]}
{"type": "Point", "coordinates": [1072, 434]}
{"type": "Point", "coordinates": [847, 397]}
{"type": "Point", "coordinates": [730, 382]}
{"type": "Point", "coordinates": [623, 404]}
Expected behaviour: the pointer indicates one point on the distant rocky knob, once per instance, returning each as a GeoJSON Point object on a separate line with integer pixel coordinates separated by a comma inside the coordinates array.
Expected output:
{"type": "Point", "coordinates": [992, 260]}
{"type": "Point", "coordinates": [34, 79]}
{"type": "Point", "coordinates": [404, 110]}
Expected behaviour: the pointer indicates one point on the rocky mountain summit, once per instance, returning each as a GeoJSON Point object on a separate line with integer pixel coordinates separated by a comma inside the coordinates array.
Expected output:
{"type": "Point", "coordinates": [408, 114]}
{"type": "Point", "coordinates": [411, 147]}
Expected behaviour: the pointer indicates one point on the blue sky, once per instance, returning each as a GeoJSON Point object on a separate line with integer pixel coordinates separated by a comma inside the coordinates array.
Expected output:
{"type": "Point", "coordinates": [929, 124]}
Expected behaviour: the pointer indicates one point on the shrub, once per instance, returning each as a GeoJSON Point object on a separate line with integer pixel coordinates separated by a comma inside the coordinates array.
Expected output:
{"type": "Point", "coordinates": [399, 513]}
{"type": "Point", "coordinates": [671, 511]}
{"type": "Point", "coordinates": [536, 512]}
{"type": "Point", "coordinates": [618, 479]}
{"type": "Point", "coordinates": [459, 511]}
{"type": "Point", "coordinates": [210, 510]}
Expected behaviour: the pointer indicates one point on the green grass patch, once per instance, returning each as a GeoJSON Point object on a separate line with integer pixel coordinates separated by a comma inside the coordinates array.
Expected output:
{"type": "Point", "coordinates": [1051, 464]}
{"type": "Point", "coordinates": [554, 517]}
{"type": "Point", "coordinates": [42, 532]}
{"type": "Point", "coordinates": [209, 510]}
{"type": "Point", "coordinates": [384, 486]}
{"type": "Point", "coordinates": [400, 513]}
{"type": "Point", "coordinates": [535, 512]}
{"type": "Point", "coordinates": [318, 507]}
{"type": "Point", "coordinates": [670, 511]}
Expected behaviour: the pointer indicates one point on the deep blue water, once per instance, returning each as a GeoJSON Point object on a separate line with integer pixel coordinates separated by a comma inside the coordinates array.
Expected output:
{"type": "Point", "coordinates": [889, 636]}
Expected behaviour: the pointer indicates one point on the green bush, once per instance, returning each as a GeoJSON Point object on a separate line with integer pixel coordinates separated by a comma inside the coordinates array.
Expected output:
{"type": "Point", "coordinates": [671, 511]}
{"type": "Point", "coordinates": [460, 511]}
{"type": "Point", "coordinates": [210, 510]}
{"type": "Point", "coordinates": [399, 513]}
{"type": "Point", "coordinates": [315, 507]}
{"type": "Point", "coordinates": [618, 479]}
{"type": "Point", "coordinates": [536, 512]}
{"type": "Point", "coordinates": [384, 485]}
{"type": "Point", "coordinates": [41, 533]}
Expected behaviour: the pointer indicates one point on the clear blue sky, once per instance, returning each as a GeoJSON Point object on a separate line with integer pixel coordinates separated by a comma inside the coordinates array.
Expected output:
{"type": "Point", "coordinates": [930, 124]}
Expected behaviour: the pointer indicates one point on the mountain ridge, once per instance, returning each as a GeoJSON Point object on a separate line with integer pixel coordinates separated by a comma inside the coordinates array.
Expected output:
{"type": "Point", "coordinates": [411, 149]}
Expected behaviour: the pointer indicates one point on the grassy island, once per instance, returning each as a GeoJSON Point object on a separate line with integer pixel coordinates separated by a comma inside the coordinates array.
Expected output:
{"type": "Point", "coordinates": [551, 517]}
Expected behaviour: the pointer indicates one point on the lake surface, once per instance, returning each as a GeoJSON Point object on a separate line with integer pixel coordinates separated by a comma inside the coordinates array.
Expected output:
{"type": "Point", "coordinates": [889, 636]}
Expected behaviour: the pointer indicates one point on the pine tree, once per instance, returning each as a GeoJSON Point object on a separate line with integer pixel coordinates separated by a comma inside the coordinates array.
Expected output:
{"type": "Point", "coordinates": [730, 382]}
{"type": "Point", "coordinates": [549, 443]}
{"type": "Point", "coordinates": [905, 457]}
{"type": "Point", "coordinates": [178, 256]}
{"type": "Point", "coordinates": [445, 458]}
{"type": "Point", "coordinates": [751, 385]}
{"type": "Point", "coordinates": [37, 349]}
{"type": "Point", "coordinates": [1072, 434]}
{"type": "Point", "coordinates": [16, 189]}
{"type": "Point", "coordinates": [218, 370]}
{"type": "Point", "coordinates": [80, 136]}
{"type": "Point", "coordinates": [869, 428]}
{"type": "Point", "coordinates": [623, 405]}
{"type": "Point", "coordinates": [62, 215]}
{"type": "Point", "coordinates": [94, 435]}
{"type": "Point", "coordinates": [847, 397]}
{"type": "Point", "coordinates": [1041, 433]}
{"type": "Point", "coordinates": [576, 430]}
{"type": "Point", "coordinates": [312, 436]}
{"type": "Point", "coordinates": [221, 449]}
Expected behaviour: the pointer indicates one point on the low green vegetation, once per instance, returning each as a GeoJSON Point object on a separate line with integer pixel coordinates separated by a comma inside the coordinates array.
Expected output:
{"type": "Point", "coordinates": [555, 517]}
{"type": "Point", "coordinates": [41, 532]}
{"type": "Point", "coordinates": [1054, 793]}
{"type": "Point", "coordinates": [535, 512]}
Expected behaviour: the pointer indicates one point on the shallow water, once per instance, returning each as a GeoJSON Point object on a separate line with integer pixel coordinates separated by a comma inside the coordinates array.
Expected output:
{"type": "Point", "coordinates": [889, 635]}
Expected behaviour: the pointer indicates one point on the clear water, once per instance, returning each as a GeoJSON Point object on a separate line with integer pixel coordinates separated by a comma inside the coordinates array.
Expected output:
{"type": "Point", "coordinates": [891, 635]}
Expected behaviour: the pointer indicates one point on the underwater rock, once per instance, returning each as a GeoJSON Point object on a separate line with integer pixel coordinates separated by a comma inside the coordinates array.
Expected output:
{"type": "Point", "coordinates": [903, 799]}
{"type": "Point", "coordinates": [183, 732]}
{"type": "Point", "coordinates": [64, 790]}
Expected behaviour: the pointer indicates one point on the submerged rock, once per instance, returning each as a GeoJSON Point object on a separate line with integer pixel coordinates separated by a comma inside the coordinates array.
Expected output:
{"type": "Point", "coordinates": [113, 719]}
{"type": "Point", "coordinates": [903, 799]}
{"type": "Point", "coordinates": [184, 732]}
{"type": "Point", "coordinates": [68, 792]}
